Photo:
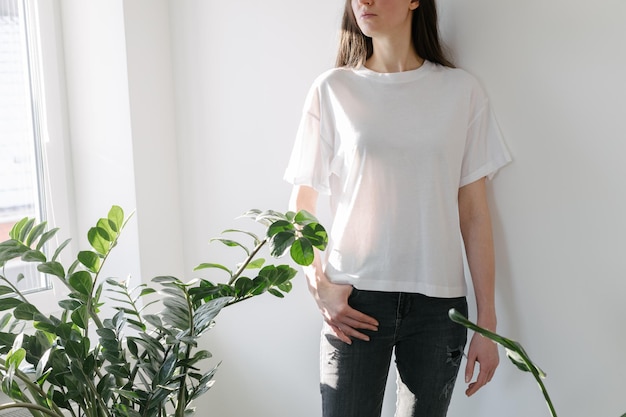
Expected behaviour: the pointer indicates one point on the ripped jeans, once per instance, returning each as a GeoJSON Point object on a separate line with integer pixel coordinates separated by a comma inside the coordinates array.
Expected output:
{"type": "Point", "coordinates": [428, 350]}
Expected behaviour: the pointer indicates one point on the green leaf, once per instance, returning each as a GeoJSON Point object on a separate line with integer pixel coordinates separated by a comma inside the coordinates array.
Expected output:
{"type": "Point", "coordinates": [52, 268]}
{"type": "Point", "coordinates": [46, 237]}
{"type": "Point", "coordinates": [15, 358]}
{"type": "Point", "coordinates": [254, 237]}
{"type": "Point", "coordinates": [147, 291]}
{"type": "Point", "coordinates": [280, 226]}
{"type": "Point", "coordinates": [90, 260]}
{"type": "Point", "coordinates": [5, 290]}
{"type": "Point", "coordinates": [70, 305]}
{"type": "Point", "coordinates": [316, 234]}
{"type": "Point", "coordinates": [26, 311]}
{"type": "Point", "coordinates": [302, 252]}
{"type": "Point", "coordinates": [303, 217]}
{"type": "Point", "coordinates": [35, 233]}
{"type": "Point", "coordinates": [276, 293]}
{"type": "Point", "coordinates": [286, 286]}
{"type": "Point", "coordinates": [256, 264]}
{"type": "Point", "coordinates": [58, 251]}
{"type": "Point", "coordinates": [81, 282]}
{"type": "Point", "coordinates": [9, 303]}
{"type": "Point", "coordinates": [74, 349]}
{"type": "Point", "coordinates": [231, 243]}
{"type": "Point", "coordinates": [280, 243]}
{"type": "Point", "coordinates": [166, 371]}
{"type": "Point", "coordinates": [11, 249]}
{"type": "Point", "coordinates": [17, 228]}
{"type": "Point", "coordinates": [6, 319]}
{"type": "Point", "coordinates": [260, 285]}
{"type": "Point", "coordinates": [80, 317]}
{"type": "Point", "coordinates": [277, 275]}
{"type": "Point", "coordinates": [33, 256]}
{"type": "Point", "coordinates": [205, 314]}
{"type": "Point", "coordinates": [24, 230]}
{"type": "Point", "coordinates": [243, 286]}
{"type": "Point", "coordinates": [116, 217]}
{"type": "Point", "coordinates": [99, 239]}
{"type": "Point", "coordinates": [210, 265]}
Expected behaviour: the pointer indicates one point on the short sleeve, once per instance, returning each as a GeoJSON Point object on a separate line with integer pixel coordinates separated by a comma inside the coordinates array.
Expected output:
{"type": "Point", "coordinates": [485, 150]}
{"type": "Point", "coordinates": [311, 155]}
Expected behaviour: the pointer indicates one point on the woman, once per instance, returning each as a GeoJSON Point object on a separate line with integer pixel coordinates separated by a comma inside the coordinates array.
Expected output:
{"type": "Point", "coordinates": [402, 143]}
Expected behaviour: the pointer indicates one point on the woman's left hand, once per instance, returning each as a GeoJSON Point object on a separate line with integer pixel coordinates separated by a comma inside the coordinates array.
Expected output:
{"type": "Point", "coordinates": [485, 352]}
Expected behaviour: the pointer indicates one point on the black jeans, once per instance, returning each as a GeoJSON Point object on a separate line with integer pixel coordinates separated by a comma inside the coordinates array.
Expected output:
{"type": "Point", "coordinates": [428, 349]}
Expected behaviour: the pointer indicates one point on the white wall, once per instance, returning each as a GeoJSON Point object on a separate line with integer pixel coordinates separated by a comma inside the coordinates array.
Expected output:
{"type": "Point", "coordinates": [122, 130]}
{"type": "Point", "coordinates": [553, 71]}
{"type": "Point", "coordinates": [240, 73]}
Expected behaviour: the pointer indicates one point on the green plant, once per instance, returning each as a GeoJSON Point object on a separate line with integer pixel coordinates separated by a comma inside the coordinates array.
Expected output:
{"type": "Point", "coordinates": [131, 363]}
{"type": "Point", "coordinates": [514, 351]}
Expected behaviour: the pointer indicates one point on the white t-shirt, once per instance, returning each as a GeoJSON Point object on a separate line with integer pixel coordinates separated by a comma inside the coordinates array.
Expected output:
{"type": "Point", "coordinates": [392, 151]}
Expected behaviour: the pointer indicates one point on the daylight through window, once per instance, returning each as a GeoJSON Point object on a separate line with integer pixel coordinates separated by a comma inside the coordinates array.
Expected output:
{"type": "Point", "coordinates": [21, 185]}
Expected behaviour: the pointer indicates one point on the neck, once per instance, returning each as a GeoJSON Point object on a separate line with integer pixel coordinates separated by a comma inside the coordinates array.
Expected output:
{"type": "Point", "coordinates": [393, 55]}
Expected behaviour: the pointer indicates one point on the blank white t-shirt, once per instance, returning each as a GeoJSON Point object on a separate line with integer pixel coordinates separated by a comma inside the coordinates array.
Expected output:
{"type": "Point", "coordinates": [392, 151]}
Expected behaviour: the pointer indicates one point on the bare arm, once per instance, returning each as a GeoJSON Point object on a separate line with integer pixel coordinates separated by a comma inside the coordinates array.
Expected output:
{"type": "Point", "coordinates": [331, 299]}
{"type": "Point", "coordinates": [476, 229]}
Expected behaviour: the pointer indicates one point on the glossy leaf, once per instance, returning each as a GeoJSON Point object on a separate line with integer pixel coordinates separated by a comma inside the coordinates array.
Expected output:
{"type": "Point", "coordinates": [280, 226]}
{"type": "Point", "coordinates": [9, 303]}
{"type": "Point", "coordinates": [35, 233]}
{"type": "Point", "coordinates": [33, 256]}
{"type": "Point", "coordinates": [99, 239]}
{"type": "Point", "coordinates": [52, 268]}
{"type": "Point", "coordinates": [69, 304]}
{"type": "Point", "coordinates": [26, 311]}
{"type": "Point", "coordinates": [316, 235]}
{"type": "Point", "coordinates": [303, 217]}
{"type": "Point", "coordinates": [45, 237]}
{"type": "Point", "coordinates": [256, 264]}
{"type": "Point", "coordinates": [81, 282]}
{"type": "Point", "coordinates": [11, 249]}
{"type": "Point", "coordinates": [80, 317]}
{"type": "Point", "coordinates": [232, 244]}
{"type": "Point", "coordinates": [16, 230]}
{"type": "Point", "coordinates": [116, 216]}
{"type": "Point", "coordinates": [302, 252]}
{"type": "Point", "coordinates": [23, 229]}
{"type": "Point", "coordinates": [5, 290]}
{"type": "Point", "coordinates": [280, 243]}
{"type": "Point", "coordinates": [212, 265]}
{"type": "Point", "coordinates": [90, 260]}
{"type": "Point", "coordinates": [58, 250]}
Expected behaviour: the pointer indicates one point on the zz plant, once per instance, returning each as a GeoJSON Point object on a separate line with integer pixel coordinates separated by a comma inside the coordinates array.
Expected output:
{"type": "Point", "coordinates": [130, 363]}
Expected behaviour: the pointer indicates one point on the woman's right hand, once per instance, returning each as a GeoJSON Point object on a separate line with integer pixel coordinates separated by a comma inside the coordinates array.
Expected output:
{"type": "Point", "coordinates": [345, 321]}
{"type": "Point", "coordinates": [332, 299]}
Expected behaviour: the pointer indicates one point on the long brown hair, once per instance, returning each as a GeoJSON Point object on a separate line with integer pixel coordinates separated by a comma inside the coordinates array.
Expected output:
{"type": "Point", "coordinates": [355, 48]}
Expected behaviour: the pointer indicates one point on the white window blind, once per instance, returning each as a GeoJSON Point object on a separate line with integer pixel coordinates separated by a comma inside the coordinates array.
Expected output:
{"type": "Point", "coordinates": [21, 185]}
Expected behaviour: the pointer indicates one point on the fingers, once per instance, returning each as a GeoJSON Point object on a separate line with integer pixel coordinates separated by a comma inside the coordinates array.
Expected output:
{"type": "Point", "coordinates": [484, 376]}
{"type": "Point", "coordinates": [347, 323]}
{"type": "Point", "coordinates": [485, 353]}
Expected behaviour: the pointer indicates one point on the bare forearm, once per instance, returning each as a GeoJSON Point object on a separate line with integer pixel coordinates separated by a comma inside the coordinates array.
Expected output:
{"type": "Point", "coordinates": [480, 257]}
{"type": "Point", "coordinates": [477, 233]}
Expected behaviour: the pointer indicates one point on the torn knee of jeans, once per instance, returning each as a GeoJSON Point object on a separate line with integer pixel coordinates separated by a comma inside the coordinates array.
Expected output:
{"type": "Point", "coordinates": [454, 356]}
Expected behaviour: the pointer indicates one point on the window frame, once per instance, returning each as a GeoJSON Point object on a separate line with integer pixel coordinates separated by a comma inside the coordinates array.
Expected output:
{"type": "Point", "coordinates": [50, 115]}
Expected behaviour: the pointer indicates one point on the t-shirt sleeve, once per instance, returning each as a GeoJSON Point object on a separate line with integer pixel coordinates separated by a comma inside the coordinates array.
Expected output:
{"type": "Point", "coordinates": [485, 150]}
{"type": "Point", "coordinates": [309, 163]}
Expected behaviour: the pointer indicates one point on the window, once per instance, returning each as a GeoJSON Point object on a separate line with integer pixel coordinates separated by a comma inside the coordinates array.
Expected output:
{"type": "Point", "coordinates": [21, 181]}
{"type": "Point", "coordinates": [35, 167]}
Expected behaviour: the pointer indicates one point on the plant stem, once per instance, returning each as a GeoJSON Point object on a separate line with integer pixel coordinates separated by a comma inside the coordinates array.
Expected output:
{"type": "Point", "coordinates": [544, 391]}
{"type": "Point", "coordinates": [247, 261]}
{"type": "Point", "coordinates": [30, 406]}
